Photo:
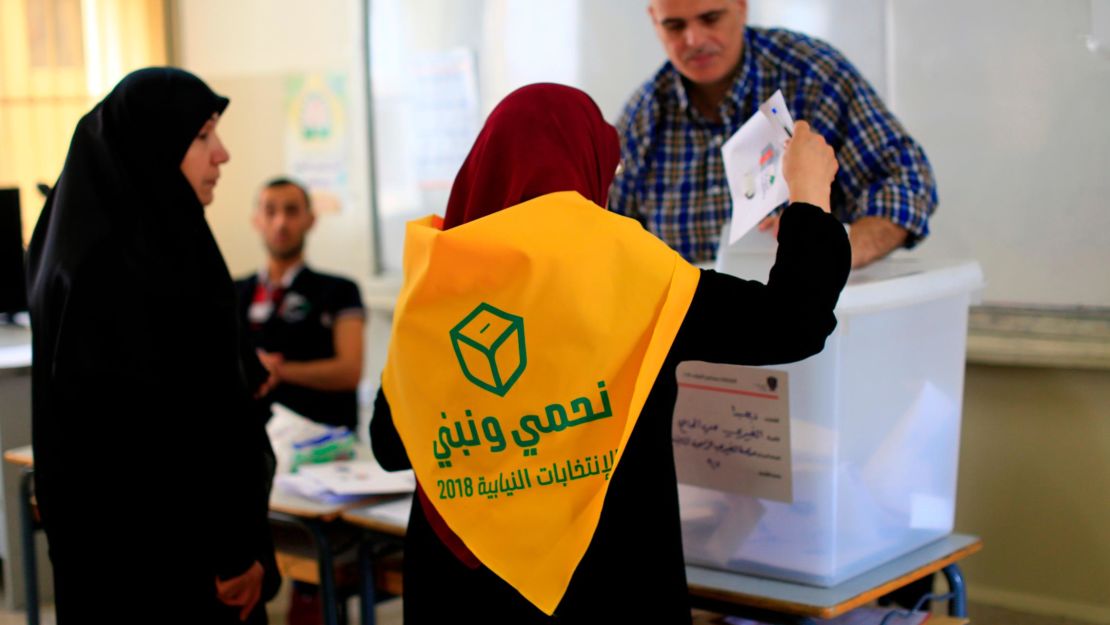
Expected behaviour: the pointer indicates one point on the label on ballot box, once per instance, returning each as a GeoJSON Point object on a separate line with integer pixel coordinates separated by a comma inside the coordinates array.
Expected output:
{"type": "Point", "coordinates": [731, 429]}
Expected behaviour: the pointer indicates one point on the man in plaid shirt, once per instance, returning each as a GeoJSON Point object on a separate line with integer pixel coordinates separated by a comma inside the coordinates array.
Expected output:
{"type": "Point", "coordinates": [673, 179]}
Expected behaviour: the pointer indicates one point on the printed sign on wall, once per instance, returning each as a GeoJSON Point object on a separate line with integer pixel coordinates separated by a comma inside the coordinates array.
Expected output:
{"type": "Point", "coordinates": [317, 138]}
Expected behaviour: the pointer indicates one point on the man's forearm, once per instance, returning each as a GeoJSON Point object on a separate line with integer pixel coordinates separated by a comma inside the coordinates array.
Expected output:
{"type": "Point", "coordinates": [330, 374]}
{"type": "Point", "coordinates": [873, 238]}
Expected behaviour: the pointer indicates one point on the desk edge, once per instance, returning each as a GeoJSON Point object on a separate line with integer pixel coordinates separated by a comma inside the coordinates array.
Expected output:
{"type": "Point", "coordinates": [801, 609]}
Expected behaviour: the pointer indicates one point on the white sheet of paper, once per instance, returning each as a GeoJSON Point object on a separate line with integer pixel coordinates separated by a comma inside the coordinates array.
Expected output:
{"type": "Point", "coordinates": [297, 484]}
{"type": "Point", "coordinates": [359, 478]}
{"type": "Point", "coordinates": [777, 114]}
{"type": "Point", "coordinates": [731, 430]}
{"type": "Point", "coordinates": [753, 166]}
{"type": "Point", "coordinates": [893, 469]}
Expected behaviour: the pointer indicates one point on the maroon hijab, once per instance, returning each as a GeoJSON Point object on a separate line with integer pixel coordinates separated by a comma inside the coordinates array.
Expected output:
{"type": "Point", "coordinates": [540, 139]}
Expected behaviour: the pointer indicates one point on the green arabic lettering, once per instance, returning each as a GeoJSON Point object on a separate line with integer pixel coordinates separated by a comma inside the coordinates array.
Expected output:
{"type": "Point", "coordinates": [607, 410]}
{"type": "Point", "coordinates": [550, 479]}
{"type": "Point", "coordinates": [473, 440]}
{"type": "Point", "coordinates": [444, 440]}
{"type": "Point", "coordinates": [491, 427]}
{"type": "Point", "coordinates": [560, 477]}
{"type": "Point", "coordinates": [556, 418]}
{"type": "Point", "coordinates": [585, 407]}
{"type": "Point", "coordinates": [530, 423]}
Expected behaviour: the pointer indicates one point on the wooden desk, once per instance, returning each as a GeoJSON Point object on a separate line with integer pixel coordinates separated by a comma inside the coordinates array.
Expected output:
{"type": "Point", "coordinates": [285, 508]}
{"type": "Point", "coordinates": [722, 591]}
{"type": "Point", "coordinates": [776, 601]}
{"type": "Point", "coordinates": [23, 458]}
{"type": "Point", "coordinates": [314, 517]}
{"type": "Point", "coordinates": [15, 431]}
{"type": "Point", "coordinates": [380, 517]}
{"type": "Point", "coordinates": [283, 503]}
{"type": "Point", "coordinates": [385, 531]}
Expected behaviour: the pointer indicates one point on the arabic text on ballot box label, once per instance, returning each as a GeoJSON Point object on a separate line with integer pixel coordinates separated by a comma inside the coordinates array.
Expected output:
{"type": "Point", "coordinates": [731, 429]}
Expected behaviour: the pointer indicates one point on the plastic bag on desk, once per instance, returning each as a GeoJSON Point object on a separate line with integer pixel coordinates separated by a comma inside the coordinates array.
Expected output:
{"type": "Point", "coordinates": [298, 440]}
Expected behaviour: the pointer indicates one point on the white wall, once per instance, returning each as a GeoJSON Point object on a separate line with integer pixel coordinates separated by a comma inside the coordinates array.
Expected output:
{"type": "Point", "coordinates": [618, 51]}
{"type": "Point", "coordinates": [1011, 107]}
{"type": "Point", "coordinates": [246, 49]}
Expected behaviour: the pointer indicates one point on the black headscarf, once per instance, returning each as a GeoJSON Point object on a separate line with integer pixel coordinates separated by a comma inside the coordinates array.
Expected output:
{"type": "Point", "coordinates": [140, 392]}
{"type": "Point", "coordinates": [122, 181]}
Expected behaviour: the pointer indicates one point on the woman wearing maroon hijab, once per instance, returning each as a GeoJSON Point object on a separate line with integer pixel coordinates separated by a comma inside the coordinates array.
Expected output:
{"type": "Point", "coordinates": [544, 139]}
{"type": "Point", "coordinates": [541, 139]}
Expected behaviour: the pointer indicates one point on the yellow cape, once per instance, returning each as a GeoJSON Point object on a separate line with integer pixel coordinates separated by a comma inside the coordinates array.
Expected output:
{"type": "Point", "coordinates": [524, 346]}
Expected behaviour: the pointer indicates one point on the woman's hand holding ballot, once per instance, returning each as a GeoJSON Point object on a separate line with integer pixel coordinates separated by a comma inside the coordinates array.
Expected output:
{"type": "Point", "coordinates": [809, 166]}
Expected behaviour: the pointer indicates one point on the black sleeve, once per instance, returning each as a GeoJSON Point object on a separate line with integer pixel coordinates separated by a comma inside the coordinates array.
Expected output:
{"type": "Point", "coordinates": [244, 294]}
{"type": "Point", "coordinates": [788, 319]}
{"type": "Point", "coordinates": [384, 439]}
{"type": "Point", "coordinates": [345, 298]}
{"type": "Point", "coordinates": [238, 485]}
{"type": "Point", "coordinates": [255, 374]}
{"type": "Point", "coordinates": [238, 458]}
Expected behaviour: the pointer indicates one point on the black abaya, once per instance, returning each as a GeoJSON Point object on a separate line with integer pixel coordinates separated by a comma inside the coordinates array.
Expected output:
{"type": "Point", "coordinates": [152, 475]}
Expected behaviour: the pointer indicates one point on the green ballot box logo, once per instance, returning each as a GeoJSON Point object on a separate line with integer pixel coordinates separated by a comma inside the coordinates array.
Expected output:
{"type": "Point", "coordinates": [489, 344]}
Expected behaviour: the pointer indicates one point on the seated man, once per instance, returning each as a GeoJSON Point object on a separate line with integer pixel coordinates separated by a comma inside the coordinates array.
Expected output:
{"type": "Point", "coordinates": [307, 326]}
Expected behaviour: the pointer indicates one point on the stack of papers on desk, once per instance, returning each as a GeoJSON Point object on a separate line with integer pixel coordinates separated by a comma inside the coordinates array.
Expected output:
{"type": "Point", "coordinates": [345, 480]}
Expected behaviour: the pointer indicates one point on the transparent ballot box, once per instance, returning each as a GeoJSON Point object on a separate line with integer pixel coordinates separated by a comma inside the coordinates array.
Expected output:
{"type": "Point", "coordinates": [869, 439]}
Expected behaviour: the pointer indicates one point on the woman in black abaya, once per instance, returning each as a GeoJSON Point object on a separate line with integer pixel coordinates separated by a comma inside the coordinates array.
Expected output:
{"type": "Point", "coordinates": [151, 473]}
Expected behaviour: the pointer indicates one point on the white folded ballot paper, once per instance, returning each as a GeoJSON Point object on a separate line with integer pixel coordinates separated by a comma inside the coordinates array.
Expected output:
{"type": "Point", "coordinates": [344, 480]}
{"type": "Point", "coordinates": [753, 165]}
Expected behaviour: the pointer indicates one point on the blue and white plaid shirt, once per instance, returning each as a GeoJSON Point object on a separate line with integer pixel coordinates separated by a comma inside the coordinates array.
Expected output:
{"type": "Point", "coordinates": [673, 179]}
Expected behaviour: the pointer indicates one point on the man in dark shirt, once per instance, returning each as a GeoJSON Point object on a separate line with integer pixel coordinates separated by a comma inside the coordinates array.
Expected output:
{"type": "Point", "coordinates": [308, 330]}
{"type": "Point", "coordinates": [307, 326]}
